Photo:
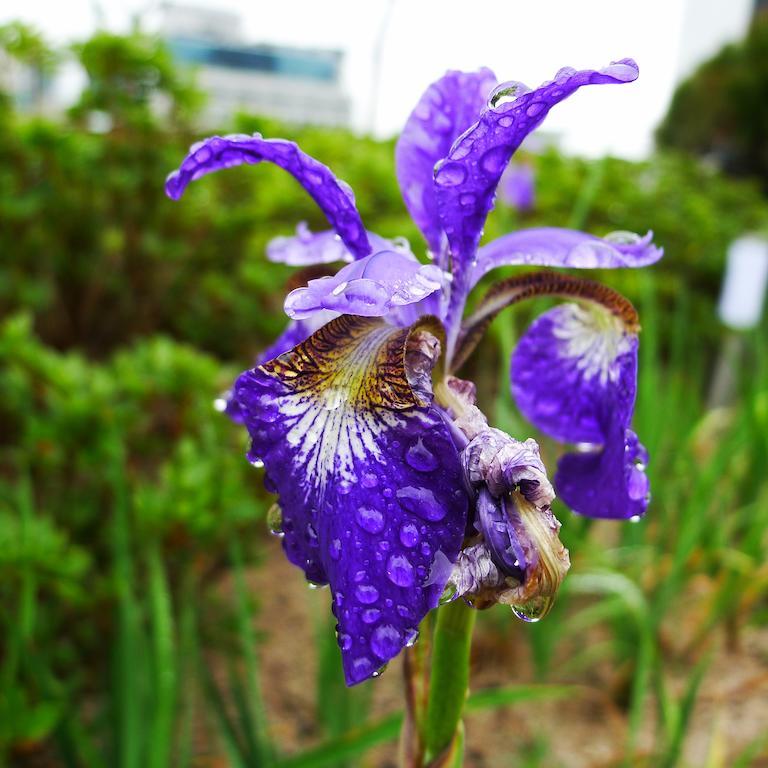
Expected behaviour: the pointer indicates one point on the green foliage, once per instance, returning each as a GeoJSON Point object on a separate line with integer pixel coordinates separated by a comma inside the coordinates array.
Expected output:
{"type": "Point", "coordinates": [127, 76]}
{"type": "Point", "coordinates": [722, 110]}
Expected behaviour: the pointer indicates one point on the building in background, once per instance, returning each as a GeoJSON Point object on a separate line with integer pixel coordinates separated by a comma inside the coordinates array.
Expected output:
{"type": "Point", "coordinates": [297, 85]}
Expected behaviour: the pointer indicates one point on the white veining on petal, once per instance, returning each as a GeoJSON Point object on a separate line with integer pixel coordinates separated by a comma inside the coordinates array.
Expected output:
{"type": "Point", "coordinates": [334, 426]}
{"type": "Point", "coordinates": [594, 338]}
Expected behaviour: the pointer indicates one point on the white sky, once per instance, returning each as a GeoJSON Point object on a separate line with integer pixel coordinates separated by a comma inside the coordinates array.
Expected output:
{"type": "Point", "coordinates": [527, 40]}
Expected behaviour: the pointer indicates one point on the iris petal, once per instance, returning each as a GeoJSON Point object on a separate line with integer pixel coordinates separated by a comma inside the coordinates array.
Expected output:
{"type": "Point", "coordinates": [369, 479]}
{"type": "Point", "coordinates": [446, 109]}
{"type": "Point", "coordinates": [574, 376]}
{"type": "Point", "coordinates": [554, 247]}
{"type": "Point", "coordinates": [373, 287]}
{"type": "Point", "coordinates": [306, 248]}
{"type": "Point", "coordinates": [466, 180]}
{"type": "Point", "coordinates": [334, 197]}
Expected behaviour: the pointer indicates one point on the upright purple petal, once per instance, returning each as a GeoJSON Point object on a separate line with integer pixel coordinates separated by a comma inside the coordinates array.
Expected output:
{"type": "Point", "coordinates": [369, 479]}
{"type": "Point", "coordinates": [466, 180]}
{"type": "Point", "coordinates": [334, 197]}
{"type": "Point", "coordinates": [554, 247]}
{"type": "Point", "coordinates": [374, 286]}
{"type": "Point", "coordinates": [446, 109]}
{"type": "Point", "coordinates": [574, 376]}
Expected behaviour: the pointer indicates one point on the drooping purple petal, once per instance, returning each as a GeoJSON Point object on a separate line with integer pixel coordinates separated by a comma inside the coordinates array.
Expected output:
{"type": "Point", "coordinates": [446, 109]}
{"type": "Point", "coordinates": [306, 248]}
{"type": "Point", "coordinates": [369, 479]}
{"type": "Point", "coordinates": [609, 482]}
{"type": "Point", "coordinates": [373, 287]}
{"type": "Point", "coordinates": [554, 247]}
{"type": "Point", "coordinates": [334, 197]}
{"type": "Point", "coordinates": [466, 180]}
{"type": "Point", "coordinates": [574, 376]}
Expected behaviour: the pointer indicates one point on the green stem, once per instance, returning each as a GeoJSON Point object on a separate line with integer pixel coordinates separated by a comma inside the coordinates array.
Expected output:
{"type": "Point", "coordinates": [449, 677]}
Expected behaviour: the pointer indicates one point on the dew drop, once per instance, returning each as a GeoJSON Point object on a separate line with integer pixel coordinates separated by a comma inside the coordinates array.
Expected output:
{"type": "Point", "coordinates": [409, 535]}
{"type": "Point", "coordinates": [506, 93]}
{"type": "Point", "coordinates": [400, 571]}
{"type": "Point", "coordinates": [421, 502]}
{"type": "Point", "coordinates": [335, 549]}
{"type": "Point", "coordinates": [275, 520]}
{"type": "Point", "coordinates": [369, 480]}
{"type": "Point", "coordinates": [255, 461]}
{"type": "Point", "coordinates": [370, 519]}
{"type": "Point", "coordinates": [421, 458]}
{"type": "Point", "coordinates": [506, 121]}
{"type": "Point", "coordinates": [220, 404]}
{"type": "Point", "coordinates": [362, 666]}
{"type": "Point", "coordinates": [366, 594]}
{"type": "Point", "coordinates": [386, 641]}
{"type": "Point", "coordinates": [450, 174]}
{"type": "Point", "coordinates": [345, 641]}
{"type": "Point", "coordinates": [534, 108]}
{"type": "Point", "coordinates": [534, 610]}
{"type": "Point", "coordinates": [369, 615]}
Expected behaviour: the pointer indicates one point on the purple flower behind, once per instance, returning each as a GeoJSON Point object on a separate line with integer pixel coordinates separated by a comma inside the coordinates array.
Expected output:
{"type": "Point", "coordinates": [517, 188]}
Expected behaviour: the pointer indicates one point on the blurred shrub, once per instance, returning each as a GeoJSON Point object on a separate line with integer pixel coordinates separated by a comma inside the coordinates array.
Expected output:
{"type": "Point", "coordinates": [82, 443]}
{"type": "Point", "coordinates": [722, 110]}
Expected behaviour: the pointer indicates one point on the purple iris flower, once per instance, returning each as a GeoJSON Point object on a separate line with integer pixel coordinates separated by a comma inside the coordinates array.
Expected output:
{"type": "Point", "coordinates": [393, 489]}
{"type": "Point", "coordinates": [517, 188]}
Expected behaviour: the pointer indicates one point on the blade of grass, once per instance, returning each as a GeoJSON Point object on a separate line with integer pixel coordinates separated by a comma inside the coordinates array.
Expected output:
{"type": "Point", "coordinates": [164, 679]}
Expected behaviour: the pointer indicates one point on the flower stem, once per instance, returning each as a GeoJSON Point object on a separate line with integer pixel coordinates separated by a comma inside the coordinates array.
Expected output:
{"type": "Point", "coordinates": [449, 677]}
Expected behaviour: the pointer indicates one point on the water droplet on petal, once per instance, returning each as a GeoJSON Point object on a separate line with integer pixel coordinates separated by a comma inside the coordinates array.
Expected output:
{"type": "Point", "coordinates": [369, 615]}
{"type": "Point", "coordinates": [380, 671]}
{"type": "Point", "coordinates": [335, 549]}
{"type": "Point", "coordinates": [409, 535]}
{"type": "Point", "coordinates": [386, 641]}
{"type": "Point", "coordinates": [345, 641]}
{"type": "Point", "coordinates": [220, 404]}
{"type": "Point", "coordinates": [400, 571]}
{"type": "Point", "coordinates": [369, 480]}
{"type": "Point", "coordinates": [370, 519]}
{"type": "Point", "coordinates": [506, 93]}
{"type": "Point", "coordinates": [362, 666]}
{"type": "Point", "coordinates": [421, 458]}
{"type": "Point", "coordinates": [421, 502]}
{"type": "Point", "coordinates": [450, 174]}
{"type": "Point", "coordinates": [366, 593]}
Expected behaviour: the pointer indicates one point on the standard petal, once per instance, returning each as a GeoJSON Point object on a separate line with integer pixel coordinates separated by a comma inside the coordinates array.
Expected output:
{"type": "Point", "coordinates": [306, 248]}
{"type": "Point", "coordinates": [554, 247]}
{"type": "Point", "coordinates": [373, 287]}
{"type": "Point", "coordinates": [369, 479]}
{"type": "Point", "coordinates": [446, 109]}
{"type": "Point", "coordinates": [574, 376]}
{"type": "Point", "coordinates": [334, 197]}
{"type": "Point", "coordinates": [466, 180]}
